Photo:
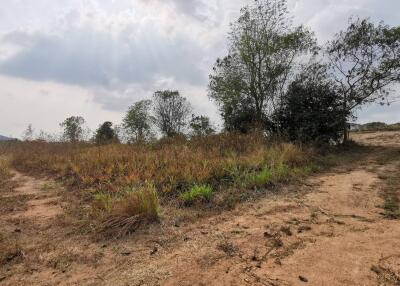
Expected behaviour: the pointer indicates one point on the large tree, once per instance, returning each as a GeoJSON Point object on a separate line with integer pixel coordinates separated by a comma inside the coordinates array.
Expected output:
{"type": "Point", "coordinates": [137, 122]}
{"type": "Point", "coordinates": [171, 111]}
{"type": "Point", "coordinates": [365, 62]}
{"type": "Point", "coordinates": [73, 128]}
{"type": "Point", "coordinates": [263, 51]}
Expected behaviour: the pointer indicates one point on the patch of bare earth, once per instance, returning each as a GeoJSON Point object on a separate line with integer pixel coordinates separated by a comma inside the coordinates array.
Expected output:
{"type": "Point", "coordinates": [328, 230]}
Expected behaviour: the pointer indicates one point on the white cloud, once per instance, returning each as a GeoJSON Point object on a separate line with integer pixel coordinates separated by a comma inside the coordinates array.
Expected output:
{"type": "Point", "coordinates": [95, 57]}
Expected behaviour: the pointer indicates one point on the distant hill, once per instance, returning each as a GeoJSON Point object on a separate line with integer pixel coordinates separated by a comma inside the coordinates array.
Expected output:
{"type": "Point", "coordinates": [4, 138]}
{"type": "Point", "coordinates": [375, 126]}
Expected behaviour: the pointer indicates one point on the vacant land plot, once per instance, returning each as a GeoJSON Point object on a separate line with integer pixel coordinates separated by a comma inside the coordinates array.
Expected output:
{"type": "Point", "coordinates": [332, 228]}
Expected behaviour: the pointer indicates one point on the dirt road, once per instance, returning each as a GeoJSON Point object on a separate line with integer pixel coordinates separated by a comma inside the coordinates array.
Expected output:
{"type": "Point", "coordinates": [328, 230]}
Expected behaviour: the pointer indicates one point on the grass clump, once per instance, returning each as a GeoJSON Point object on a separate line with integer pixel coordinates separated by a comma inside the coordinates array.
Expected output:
{"type": "Point", "coordinates": [124, 213]}
{"type": "Point", "coordinates": [196, 193]}
{"type": "Point", "coordinates": [4, 169]}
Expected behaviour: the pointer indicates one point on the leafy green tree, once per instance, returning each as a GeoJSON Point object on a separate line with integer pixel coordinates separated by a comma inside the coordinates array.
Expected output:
{"type": "Point", "coordinates": [73, 128]}
{"type": "Point", "coordinates": [171, 111]}
{"type": "Point", "coordinates": [264, 50]}
{"type": "Point", "coordinates": [137, 122]}
{"type": "Point", "coordinates": [106, 134]}
{"type": "Point", "coordinates": [201, 126]}
{"type": "Point", "coordinates": [311, 110]}
{"type": "Point", "coordinates": [365, 62]}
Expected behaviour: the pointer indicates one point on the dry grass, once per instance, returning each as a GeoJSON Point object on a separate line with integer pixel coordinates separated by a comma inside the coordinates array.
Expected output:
{"type": "Point", "coordinates": [172, 166]}
{"type": "Point", "coordinates": [125, 181]}
{"type": "Point", "coordinates": [124, 213]}
{"type": "Point", "coordinates": [4, 169]}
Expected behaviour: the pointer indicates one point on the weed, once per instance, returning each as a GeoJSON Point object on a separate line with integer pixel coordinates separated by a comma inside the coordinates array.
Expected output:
{"type": "Point", "coordinates": [197, 192]}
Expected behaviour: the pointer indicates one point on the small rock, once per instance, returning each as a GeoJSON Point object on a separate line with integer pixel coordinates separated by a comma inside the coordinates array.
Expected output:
{"type": "Point", "coordinates": [17, 230]}
{"type": "Point", "coordinates": [126, 253]}
{"type": "Point", "coordinates": [303, 279]}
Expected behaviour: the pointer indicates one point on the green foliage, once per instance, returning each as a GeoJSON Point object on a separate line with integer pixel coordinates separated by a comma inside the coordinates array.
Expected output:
{"type": "Point", "coordinates": [365, 61]}
{"type": "Point", "coordinates": [261, 178]}
{"type": "Point", "coordinates": [248, 83]}
{"type": "Point", "coordinates": [197, 192]}
{"type": "Point", "coordinates": [201, 126]}
{"type": "Point", "coordinates": [105, 134]}
{"type": "Point", "coordinates": [311, 110]}
{"type": "Point", "coordinates": [170, 111]}
{"type": "Point", "coordinates": [138, 122]}
{"type": "Point", "coordinates": [73, 128]}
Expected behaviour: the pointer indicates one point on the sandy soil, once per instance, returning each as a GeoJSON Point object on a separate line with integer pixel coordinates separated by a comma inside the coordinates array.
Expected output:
{"type": "Point", "coordinates": [329, 230]}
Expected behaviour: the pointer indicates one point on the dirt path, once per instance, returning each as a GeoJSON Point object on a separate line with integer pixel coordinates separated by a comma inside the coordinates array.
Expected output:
{"type": "Point", "coordinates": [327, 231]}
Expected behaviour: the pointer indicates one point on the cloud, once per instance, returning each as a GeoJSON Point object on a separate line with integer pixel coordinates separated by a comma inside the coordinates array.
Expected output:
{"type": "Point", "coordinates": [112, 53]}
{"type": "Point", "coordinates": [89, 57]}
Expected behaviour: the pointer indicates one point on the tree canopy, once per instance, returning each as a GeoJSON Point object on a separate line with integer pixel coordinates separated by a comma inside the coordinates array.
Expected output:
{"type": "Point", "coordinates": [263, 52]}
{"type": "Point", "coordinates": [171, 111]}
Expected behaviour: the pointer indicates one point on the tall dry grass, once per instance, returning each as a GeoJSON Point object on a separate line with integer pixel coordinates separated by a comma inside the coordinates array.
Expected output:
{"type": "Point", "coordinates": [4, 169]}
{"type": "Point", "coordinates": [126, 181]}
{"type": "Point", "coordinates": [172, 165]}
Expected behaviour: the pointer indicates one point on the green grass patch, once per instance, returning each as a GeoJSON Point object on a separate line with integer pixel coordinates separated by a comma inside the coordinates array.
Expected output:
{"type": "Point", "coordinates": [197, 192]}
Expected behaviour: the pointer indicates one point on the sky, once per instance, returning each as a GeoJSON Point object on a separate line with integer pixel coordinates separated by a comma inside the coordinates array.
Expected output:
{"type": "Point", "coordinates": [95, 58]}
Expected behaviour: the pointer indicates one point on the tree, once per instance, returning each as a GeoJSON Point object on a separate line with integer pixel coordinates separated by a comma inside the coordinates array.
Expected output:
{"type": "Point", "coordinates": [311, 110]}
{"type": "Point", "coordinates": [73, 128]}
{"type": "Point", "coordinates": [170, 111]}
{"type": "Point", "coordinates": [201, 126]}
{"type": "Point", "coordinates": [263, 52]}
{"type": "Point", "coordinates": [365, 62]}
{"type": "Point", "coordinates": [28, 133]}
{"type": "Point", "coordinates": [106, 134]}
{"type": "Point", "coordinates": [138, 120]}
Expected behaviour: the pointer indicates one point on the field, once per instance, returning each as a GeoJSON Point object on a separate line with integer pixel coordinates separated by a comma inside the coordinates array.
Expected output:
{"type": "Point", "coordinates": [220, 210]}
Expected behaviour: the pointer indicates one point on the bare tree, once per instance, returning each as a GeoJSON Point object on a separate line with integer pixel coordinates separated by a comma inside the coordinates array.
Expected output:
{"type": "Point", "coordinates": [171, 111]}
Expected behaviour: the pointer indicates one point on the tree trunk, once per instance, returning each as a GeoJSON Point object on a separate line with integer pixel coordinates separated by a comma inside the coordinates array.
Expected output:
{"type": "Point", "coordinates": [345, 127]}
{"type": "Point", "coordinates": [346, 132]}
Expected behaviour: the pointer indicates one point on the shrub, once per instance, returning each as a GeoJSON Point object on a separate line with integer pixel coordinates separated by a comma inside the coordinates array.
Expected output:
{"type": "Point", "coordinates": [141, 202]}
{"type": "Point", "coordinates": [126, 212]}
{"type": "Point", "coordinates": [197, 192]}
{"type": "Point", "coordinates": [311, 110]}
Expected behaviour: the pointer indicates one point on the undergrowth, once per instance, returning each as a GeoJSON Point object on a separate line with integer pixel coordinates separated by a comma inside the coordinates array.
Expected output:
{"type": "Point", "coordinates": [187, 170]}
{"type": "Point", "coordinates": [197, 193]}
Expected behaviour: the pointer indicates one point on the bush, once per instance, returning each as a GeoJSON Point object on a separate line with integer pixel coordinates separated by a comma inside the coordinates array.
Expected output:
{"type": "Point", "coordinates": [311, 110]}
{"type": "Point", "coordinates": [124, 213]}
{"type": "Point", "coordinates": [197, 192]}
